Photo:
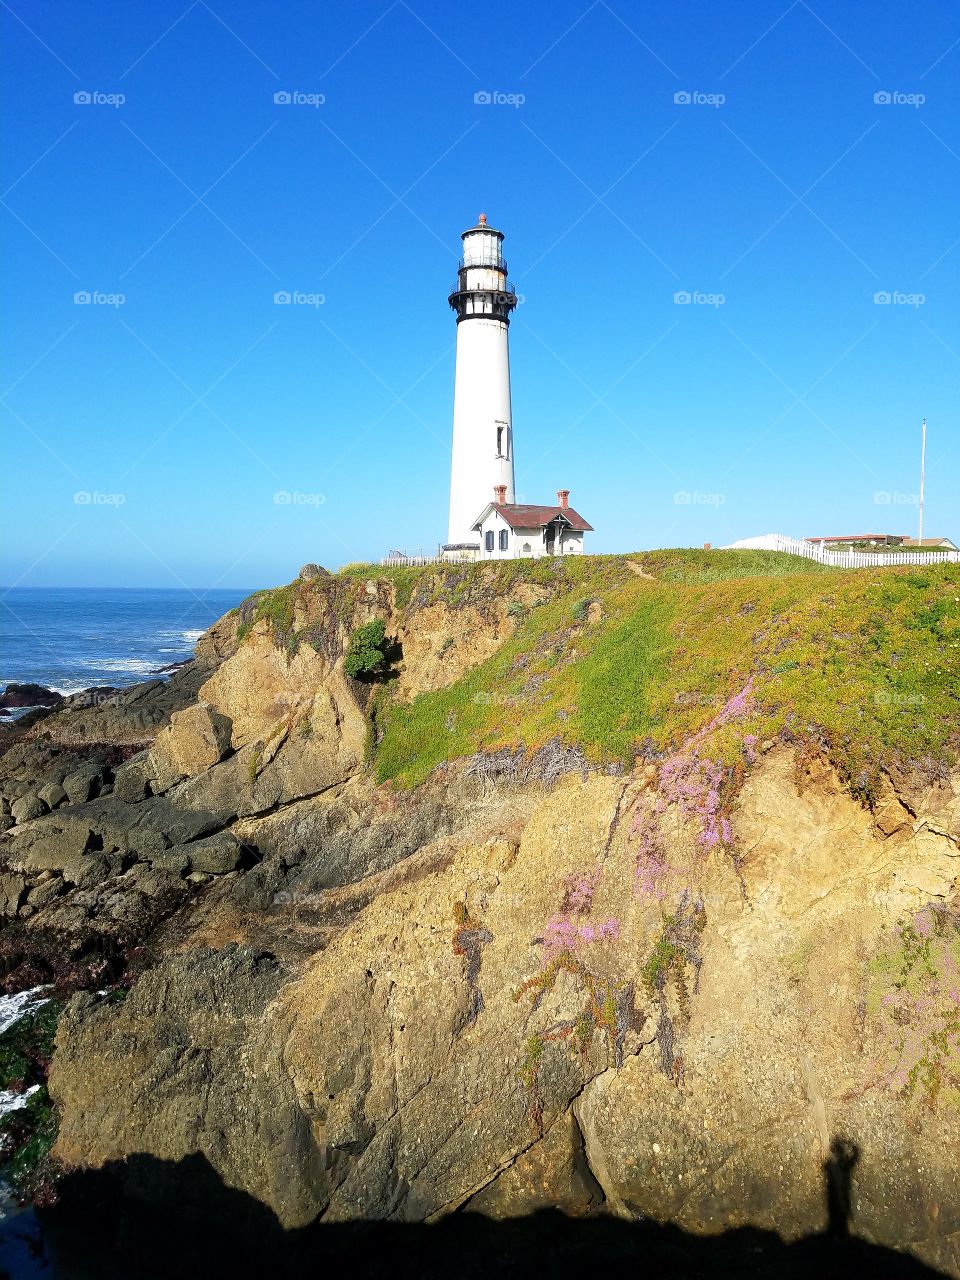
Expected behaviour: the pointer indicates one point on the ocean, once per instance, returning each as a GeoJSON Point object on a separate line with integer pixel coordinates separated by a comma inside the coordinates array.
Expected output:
{"type": "Point", "coordinates": [71, 638]}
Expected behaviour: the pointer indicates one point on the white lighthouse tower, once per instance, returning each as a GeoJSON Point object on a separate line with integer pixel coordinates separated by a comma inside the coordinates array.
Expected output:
{"type": "Point", "coordinates": [482, 419]}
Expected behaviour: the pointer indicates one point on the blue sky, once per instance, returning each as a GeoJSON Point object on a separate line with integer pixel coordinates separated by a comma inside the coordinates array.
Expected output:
{"type": "Point", "coordinates": [781, 195]}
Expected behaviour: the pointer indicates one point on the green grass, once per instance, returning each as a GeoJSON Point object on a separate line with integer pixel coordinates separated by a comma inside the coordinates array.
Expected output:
{"type": "Point", "coordinates": [475, 584]}
{"type": "Point", "coordinates": [275, 606]}
{"type": "Point", "coordinates": [678, 564]}
{"type": "Point", "coordinates": [610, 691]}
{"type": "Point", "coordinates": [865, 661]}
{"type": "Point", "coordinates": [404, 579]}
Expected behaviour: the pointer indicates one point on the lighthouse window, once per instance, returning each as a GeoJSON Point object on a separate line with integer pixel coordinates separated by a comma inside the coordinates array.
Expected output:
{"type": "Point", "coordinates": [488, 540]}
{"type": "Point", "coordinates": [499, 442]}
{"type": "Point", "coordinates": [504, 539]}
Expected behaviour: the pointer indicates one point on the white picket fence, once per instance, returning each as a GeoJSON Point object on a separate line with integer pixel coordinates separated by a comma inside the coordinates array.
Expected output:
{"type": "Point", "coordinates": [416, 560]}
{"type": "Point", "coordinates": [841, 559]}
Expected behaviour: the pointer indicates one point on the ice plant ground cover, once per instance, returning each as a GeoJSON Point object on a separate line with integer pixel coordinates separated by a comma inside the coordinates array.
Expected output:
{"type": "Point", "coordinates": [913, 1000]}
{"type": "Point", "coordinates": [571, 928]}
{"type": "Point", "coordinates": [568, 940]}
{"type": "Point", "coordinates": [700, 788]}
{"type": "Point", "coordinates": [864, 664]}
{"type": "Point", "coordinates": [700, 791]}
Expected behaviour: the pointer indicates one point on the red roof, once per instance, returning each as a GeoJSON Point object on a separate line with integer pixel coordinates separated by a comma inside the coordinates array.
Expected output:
{"type": "Point", "coordinates": [525, 516]}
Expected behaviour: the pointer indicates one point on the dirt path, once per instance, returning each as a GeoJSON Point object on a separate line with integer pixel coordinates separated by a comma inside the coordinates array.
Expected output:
{"type": "Point", "coordinates": [639, 570]}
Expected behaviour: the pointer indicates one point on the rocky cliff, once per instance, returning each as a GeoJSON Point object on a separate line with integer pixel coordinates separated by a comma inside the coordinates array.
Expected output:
{"type": "Point", "coordinates": [604, 892]}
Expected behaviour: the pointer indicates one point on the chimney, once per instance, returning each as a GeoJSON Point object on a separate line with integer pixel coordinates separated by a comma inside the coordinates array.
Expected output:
{"type": "Point", "coordinates": [563, 499]}
{"type": "Point", "coordinates": [707, 547]}
{"type": "Point", "coordinates": [500, 494]}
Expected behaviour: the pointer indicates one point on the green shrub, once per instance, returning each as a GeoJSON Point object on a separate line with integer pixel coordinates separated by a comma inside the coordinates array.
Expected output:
{"type": "Point", "coordinates": [366, 655]}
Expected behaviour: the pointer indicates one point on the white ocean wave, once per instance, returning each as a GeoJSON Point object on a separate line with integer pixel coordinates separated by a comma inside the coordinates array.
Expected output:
{"type": "Point", "coordinates": [17, 1006]}
{"type": "Point", "coordinates": [138, 666]}
{"type": "Point", "coordinates": [179, 641]}
{"type": "Point", "coordinates": [10, 1101]}
{"type": "Point", "coordinates": [12, 1009]}
{"type": "Point", "coordinates": [16, 713]}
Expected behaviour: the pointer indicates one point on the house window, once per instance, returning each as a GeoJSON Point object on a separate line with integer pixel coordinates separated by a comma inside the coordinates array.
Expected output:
{"type": "Point", "coordinates": [488, 540]}
{"type": "Point", "coordinates": [504, 539]}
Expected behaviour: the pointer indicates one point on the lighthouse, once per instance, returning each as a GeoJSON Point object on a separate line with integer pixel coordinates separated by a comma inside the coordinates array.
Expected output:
{"type": "Point", "coordinates": [482, 420]}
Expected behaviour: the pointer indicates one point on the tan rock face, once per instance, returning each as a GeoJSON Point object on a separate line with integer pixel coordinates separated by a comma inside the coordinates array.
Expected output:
{"type": "Point", "coordinates": [292, 722]}
{"type": "Point", "coordinates": [218, 642]}
{"type": "Point", "coordinates": [443, 643]}
{"type": "Point", "coordinates": [316, 744]}
{"type": "Point", "coordinates": [552, 1174]}
{"type": "Point", "coordinates": [437, 1052]}
{"type": "Point", "coordinates": [785, 1050]}
{"type": "Point", "coordinates": [261, 686]}
{"type": "Point", "coordinates": [195, 740]}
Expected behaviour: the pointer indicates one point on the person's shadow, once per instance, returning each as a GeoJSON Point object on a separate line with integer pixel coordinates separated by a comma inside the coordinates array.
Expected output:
{"type": "Point", "coordinates": [838, 1185]}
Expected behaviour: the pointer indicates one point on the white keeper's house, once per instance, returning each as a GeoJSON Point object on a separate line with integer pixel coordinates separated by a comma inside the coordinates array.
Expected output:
{"type": "Point", "coordinates": [486, 522]}
{"type": "Point", "coordinates": [509, 530]}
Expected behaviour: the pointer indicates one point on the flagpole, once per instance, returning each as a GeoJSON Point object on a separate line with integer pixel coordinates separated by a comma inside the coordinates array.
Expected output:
{"type": "Point", "coordinates": [923, 458]}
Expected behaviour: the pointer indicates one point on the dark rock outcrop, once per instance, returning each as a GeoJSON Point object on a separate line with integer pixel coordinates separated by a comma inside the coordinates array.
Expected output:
{"type": "Point", "coordinates": [30, 695]}
{"type": "Point", "coordinates": [28, 806]}
{"type": "Point", "coordinates": [91, 856]}
{"type": "Point", "coordinates": [203, 1011]}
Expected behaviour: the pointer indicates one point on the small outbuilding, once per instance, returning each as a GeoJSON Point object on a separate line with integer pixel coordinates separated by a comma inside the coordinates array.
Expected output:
{"type": "Point", "coordinates": [517, 530]}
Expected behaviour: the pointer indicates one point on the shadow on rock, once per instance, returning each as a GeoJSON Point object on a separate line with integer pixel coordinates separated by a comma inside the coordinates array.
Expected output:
{"type": "Point", "coordinates": [146, 1217]}
{"type": "Point", "coordinates": [838, 1180]}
